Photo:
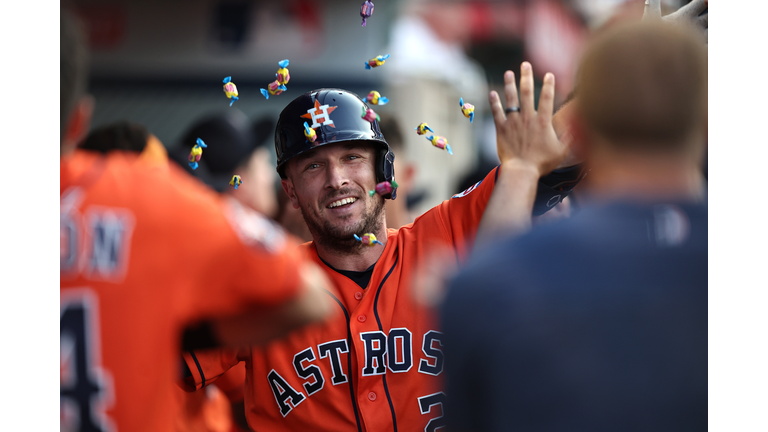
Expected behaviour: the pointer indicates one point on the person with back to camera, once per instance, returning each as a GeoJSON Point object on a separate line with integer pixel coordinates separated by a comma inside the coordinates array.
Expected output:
{"type": "Point", "coordinates": [599, 322]}
{"type": "Point", "coordinates": [212, 410]}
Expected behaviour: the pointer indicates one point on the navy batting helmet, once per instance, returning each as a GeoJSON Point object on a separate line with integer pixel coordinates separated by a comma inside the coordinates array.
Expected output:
{"type": "Point", "coordinates": [336, 116]}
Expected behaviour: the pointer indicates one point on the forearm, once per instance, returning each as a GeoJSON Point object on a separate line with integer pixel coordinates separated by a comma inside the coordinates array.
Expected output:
{"type": "Point", "coordinates": [508, 211]}
{"type": "Point", "coordinates": [260, 326]}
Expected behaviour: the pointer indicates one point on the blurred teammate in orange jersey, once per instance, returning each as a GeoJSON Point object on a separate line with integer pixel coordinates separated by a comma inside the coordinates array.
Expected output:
{"type": "Point", "coordinates": [219, 408]}
{"type": "Point", "coordinates": [146, 252]}
{"type": "Point", "coordinates": [236, 146]}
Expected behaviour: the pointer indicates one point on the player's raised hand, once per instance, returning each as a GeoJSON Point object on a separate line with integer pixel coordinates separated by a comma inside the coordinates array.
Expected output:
{"type": "Point", "coordinates": [523, 134]}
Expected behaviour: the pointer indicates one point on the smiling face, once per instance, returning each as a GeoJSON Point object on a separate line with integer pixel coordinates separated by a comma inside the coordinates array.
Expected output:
{"type": "Point", "coordinates": [330, 185]}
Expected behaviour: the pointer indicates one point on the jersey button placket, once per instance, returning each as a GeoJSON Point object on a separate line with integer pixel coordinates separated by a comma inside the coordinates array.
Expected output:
{"type": "Point", "coordinates": [362, 318]}
{"type": "Point", "coordinates": [371, 396]}
{"type": "Point", "coordinates": [358, 295]}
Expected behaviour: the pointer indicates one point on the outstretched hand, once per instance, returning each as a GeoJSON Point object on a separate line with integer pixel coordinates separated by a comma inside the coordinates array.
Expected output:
{"type": "Point", "coordinates": [528, 148]}
{"type": "Point", "coordinates": [527, 136]}
{"type": "Point", "coordinates": [686, 15]}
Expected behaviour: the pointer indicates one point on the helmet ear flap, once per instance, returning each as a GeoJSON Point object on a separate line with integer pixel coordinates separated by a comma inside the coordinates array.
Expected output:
{"type": "Point", "coordinates": [385, 169]}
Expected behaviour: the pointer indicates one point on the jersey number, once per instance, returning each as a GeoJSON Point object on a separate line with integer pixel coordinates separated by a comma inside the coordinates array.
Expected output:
{"type": "Point", "coordinates": [85, 387]}
{"type": "Point", "coordinates": [425, 406]}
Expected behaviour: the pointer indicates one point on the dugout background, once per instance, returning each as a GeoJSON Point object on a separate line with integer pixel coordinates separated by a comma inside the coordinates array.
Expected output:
{"type": "Point", "coordinates": [161, 62]}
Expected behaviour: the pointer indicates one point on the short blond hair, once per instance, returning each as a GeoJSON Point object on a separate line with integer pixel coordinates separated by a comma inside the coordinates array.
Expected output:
{"type": "Point", "coordinates": [644, 84]}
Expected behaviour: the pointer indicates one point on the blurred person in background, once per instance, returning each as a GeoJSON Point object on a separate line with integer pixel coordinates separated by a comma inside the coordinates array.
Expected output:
{"type": "Point", "coordinates": [235, 146]}
{"type": "Point", "coordinates": [124, 136]}
{"type": "Point", "coordinates": [599, 322]}
{"type": "Point", "coordinates": [290, 218]}
{"type": "Point", "coordinates": [398, 211]}
{"type": "Point", "coordinates": [212, 410]}
{"type": "Point", "coordinates": [428, 72]}
{"type": "Point", "coordinates": [142, 247]}
{"type": "Point", "coordinates": [242, 148]}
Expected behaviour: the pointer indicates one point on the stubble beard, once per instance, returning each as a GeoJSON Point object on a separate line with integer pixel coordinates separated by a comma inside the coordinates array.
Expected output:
{"type": "Point", "coordinates": [341, 239]}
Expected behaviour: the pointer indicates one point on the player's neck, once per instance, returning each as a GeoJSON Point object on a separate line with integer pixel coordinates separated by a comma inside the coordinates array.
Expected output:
{"type": "Point", "coordinates": [646, 178]}
{"type": "Point", "coordinates": [355, 257]}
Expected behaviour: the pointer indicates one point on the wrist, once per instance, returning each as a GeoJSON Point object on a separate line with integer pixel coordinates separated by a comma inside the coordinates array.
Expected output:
{"type": "Point", "coordinates": [520, 168]}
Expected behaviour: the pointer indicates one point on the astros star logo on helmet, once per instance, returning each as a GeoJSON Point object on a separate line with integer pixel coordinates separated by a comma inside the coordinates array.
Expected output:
{"type": "Point", "coordinates": [320, 112]}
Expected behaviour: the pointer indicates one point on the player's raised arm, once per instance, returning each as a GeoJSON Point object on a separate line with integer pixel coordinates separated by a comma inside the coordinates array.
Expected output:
{"type": "Point", "coordinates": [259, 326]}
{"type": "Point", "coordinates": [527, 147]}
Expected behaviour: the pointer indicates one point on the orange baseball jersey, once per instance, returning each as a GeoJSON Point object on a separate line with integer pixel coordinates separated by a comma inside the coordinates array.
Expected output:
{"type": "Point", "coordinates": [379, 368]}
{"type": "Point", "coordinates": [145, 250]}
{"type": "Point", "coordinates": [204, 411]}
{"type": "Point", "coordinates": [232, 382]}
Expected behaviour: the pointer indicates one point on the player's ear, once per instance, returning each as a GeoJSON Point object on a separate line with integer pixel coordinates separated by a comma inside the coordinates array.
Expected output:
{"type": "Point", "coordinates": [290, 191]}
{"type": "Point", "coordinates": [78, 124]}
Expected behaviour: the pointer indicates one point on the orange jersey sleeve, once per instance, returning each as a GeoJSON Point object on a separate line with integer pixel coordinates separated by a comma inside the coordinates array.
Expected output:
{"type": "Point", "coordinates": [454, 222]}
{"type": "Point", "coordinates": [208, 365]}
{"type": "Point", "coordinates": [232, 382]}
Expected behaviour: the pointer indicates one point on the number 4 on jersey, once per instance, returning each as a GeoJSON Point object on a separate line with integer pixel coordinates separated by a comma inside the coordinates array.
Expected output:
{"type": "Point", "coordinates": [86, 389]}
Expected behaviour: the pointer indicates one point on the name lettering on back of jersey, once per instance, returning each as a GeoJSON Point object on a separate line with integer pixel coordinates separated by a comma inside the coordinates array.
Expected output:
{"type": "Point", "coordinates": [671, 226]}
{"type": "Point", "coordinates": [468, 190]}
{"type": "Point", "coordinates": [69, 229]}
{"type": "Point", "coordinates": [382, 351]}
{"type": "Point", "coordinates": [96, 244]}
{"type": "Point", "coordinates": [69, 243]}
{"type": "Point", "coordinates": [110, 234]}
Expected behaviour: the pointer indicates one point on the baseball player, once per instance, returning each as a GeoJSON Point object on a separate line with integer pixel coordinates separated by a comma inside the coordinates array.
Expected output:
{"type": "Point", "coordinates": [142, 247]}
{"type": "Point", "coordinates": [379, 365]}
{"type": "Point", "coordinates": [210, 410]}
